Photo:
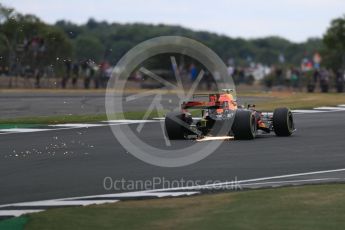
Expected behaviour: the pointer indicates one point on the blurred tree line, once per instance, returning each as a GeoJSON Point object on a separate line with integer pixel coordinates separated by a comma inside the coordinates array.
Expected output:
{"type": "Point", "coordinates": [111, 40]}
{"type": "Point", "coordinates": [27, 42]}
{"type": "Point", "coordinates": [325, 69]}
{"type": "Point", "coordinates": [334, 40]}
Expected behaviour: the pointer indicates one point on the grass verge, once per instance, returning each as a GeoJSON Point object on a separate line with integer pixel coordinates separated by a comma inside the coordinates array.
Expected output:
{"type": "Point", "coordinates": [297, 100]}
{"type": "Point", "coordinates": [26, 122]}
{"type": "Point", "coordinates": [307, 207]}
{"type": "Point", "coordinates": [274, 100]}
{"type": "Point", "coordinates": [14, 223]}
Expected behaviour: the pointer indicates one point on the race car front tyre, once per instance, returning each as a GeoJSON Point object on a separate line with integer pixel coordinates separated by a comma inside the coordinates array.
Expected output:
{"type": "Point", "coordinates": [176, 125]}
{"type": "Point", "coordinates": [283, 124]}
{"type": "Point", "coordinates": [244, 126]}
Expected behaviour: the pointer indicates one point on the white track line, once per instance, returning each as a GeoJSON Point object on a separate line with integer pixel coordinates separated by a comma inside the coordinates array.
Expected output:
{"type": "Point", "coordinates": [128, 121]}
{"type": "Point", "coordinates": [22, 130]}
{"type": "Point", "coordinates": [308, 111]}
{"type": "Point", "coordinates": [72, 126]}
{"type": "Point", "coordinates": [18, 212]}
{"type": "Point", "coordinates": [170, 191]}
{"type": "Point", "coordinates": [330, 108]}
{"type": "Point", "coordinates": [291, 181]}
{"type": "Point", "coordinates": [59, 202]}
{"type": "Point", "coordinates": [221, 138]}
{"type": "Point", "coordinates": [249, 180]}
{"type": "Point", "coordinates": [81, 199]}
{"type": "Point", "coordinates": [122, 122]}
{"type": "Point", "coordinates": [78, 125]}
{"type": "Point", "coordinates": [145, 193]}
{"type": "Point", "coordinates": [108, 198]}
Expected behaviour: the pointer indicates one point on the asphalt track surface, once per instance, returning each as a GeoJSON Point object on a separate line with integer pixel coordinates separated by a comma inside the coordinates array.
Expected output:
{"type": "Point", "coordinates": [74, 162]}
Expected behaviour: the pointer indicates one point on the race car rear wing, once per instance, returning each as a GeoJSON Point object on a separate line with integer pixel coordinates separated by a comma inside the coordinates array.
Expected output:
{"type": "Point", "coordinates": [203, 105]}
{"type": "Point", "coordinates": [196, 95]}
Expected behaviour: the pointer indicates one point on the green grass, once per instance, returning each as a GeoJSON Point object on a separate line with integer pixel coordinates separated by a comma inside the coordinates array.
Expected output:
{"type": "Point", "coordinates": [62, 119]}
{"type": "Point", "coordinates": [308, 207]}
{"type": "Point", "coordinates": [14, 223]}
{"type": "Point", "coordinates": [15, 125]}
{"type": "Point", "coordinates": [59, 119]}
{"type": "Point", "coordinates": [274, 100]}
{"type": "Point", "coordinates": [298, 100]}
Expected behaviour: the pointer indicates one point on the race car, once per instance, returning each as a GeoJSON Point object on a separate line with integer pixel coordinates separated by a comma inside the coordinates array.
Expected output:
{"type": "Point", "coordinates": [220, 112]}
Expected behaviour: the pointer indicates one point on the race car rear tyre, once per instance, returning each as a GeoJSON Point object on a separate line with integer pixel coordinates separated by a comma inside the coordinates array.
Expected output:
{"type": "Point", "coordinates": [174, 129]}
{"type": "Point", "coordinates": [283, 124]}
{"type": "Point", "coordinates": [244, 126]}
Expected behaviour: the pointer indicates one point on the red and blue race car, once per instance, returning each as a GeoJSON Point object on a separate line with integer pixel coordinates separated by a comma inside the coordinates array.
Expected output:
{"type": "Point", "coordinates": [220, 113]}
